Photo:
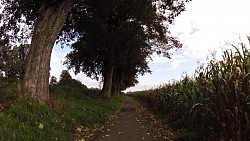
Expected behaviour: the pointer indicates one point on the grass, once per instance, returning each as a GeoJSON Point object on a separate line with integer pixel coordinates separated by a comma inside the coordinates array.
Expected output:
{"type": "Point", "coordinates": [26, 120]}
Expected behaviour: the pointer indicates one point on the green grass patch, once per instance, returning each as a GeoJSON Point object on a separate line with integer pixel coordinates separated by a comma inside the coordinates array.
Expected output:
{"type": "Point", "coordinates": [8, 89]}
{"type": "Point", "coordinates": [26, 120]}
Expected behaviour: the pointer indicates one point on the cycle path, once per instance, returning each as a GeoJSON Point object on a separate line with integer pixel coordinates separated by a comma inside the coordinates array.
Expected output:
{"type": "Point", "coordinates": [134, 123]}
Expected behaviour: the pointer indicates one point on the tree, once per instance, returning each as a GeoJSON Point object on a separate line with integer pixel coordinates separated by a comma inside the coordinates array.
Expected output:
{"type": "Point", "coordinates": [65, 77]}
{"type": "Point", "coordinates": [13, 60]}
{"type": "Point", "coordinates": [111, 31]}
{"type": "Point", "coordinates": [53, 80]}
{"type": "Point", "coordinates": [128, 82]}
{"type": "Point", "coordinates": [3, 56]}
{"type": "Point", "coordinates": [45, 20]}
{"type": "Point", "coordinates": [68, 81]}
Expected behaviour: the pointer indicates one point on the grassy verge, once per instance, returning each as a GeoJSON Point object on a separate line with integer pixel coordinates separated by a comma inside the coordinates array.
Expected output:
{"type": "Point", "coordinates": [69, 113]}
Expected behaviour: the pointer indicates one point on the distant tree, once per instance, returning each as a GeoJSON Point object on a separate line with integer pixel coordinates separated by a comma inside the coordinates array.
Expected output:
{"type": "Point", "coordinates": [13, 60]}
{"type": "Point", "coordinates": [67, 80]}
{"type": "Point", "coordinates": [23, 51]}
{"type": "Point", "coordinates": [65, 77]}
{"type": "Point", "coordinates": [3, 56]}
{"type": "Point", "coordinates": [53, 80]}
{"type": "Point", "coordinates": [128, 82]}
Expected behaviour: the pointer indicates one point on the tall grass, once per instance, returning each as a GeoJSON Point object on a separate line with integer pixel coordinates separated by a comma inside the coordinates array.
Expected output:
{"type": "Point", "coordinates": [212, 105]}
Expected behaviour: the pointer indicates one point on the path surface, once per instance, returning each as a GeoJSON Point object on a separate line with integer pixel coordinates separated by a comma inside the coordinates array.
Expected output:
{"type": "Point", "coordinates": [134, 123]}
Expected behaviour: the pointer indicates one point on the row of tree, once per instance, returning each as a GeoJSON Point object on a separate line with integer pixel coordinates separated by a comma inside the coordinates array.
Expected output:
{"type": "Point", "coordinates": [113, 38]}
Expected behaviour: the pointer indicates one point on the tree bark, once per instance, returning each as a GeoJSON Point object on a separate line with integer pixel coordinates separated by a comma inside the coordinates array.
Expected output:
{"type": "Point", "coordinates": [107, 84]}
{"type": "Point", "coordinates": [46, 29]}
{"type": "Point", "coordinates": [116, 81]}
{"type": "Point", "coordinates": [108, 74]}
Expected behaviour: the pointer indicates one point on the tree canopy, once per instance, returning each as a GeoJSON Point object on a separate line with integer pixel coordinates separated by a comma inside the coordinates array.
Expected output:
{"type": "Point", "coordinates": [118, 36]}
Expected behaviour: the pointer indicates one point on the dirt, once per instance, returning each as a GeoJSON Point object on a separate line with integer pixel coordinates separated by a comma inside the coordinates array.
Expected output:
{"type": "Point", "coordinates": [134, 123]}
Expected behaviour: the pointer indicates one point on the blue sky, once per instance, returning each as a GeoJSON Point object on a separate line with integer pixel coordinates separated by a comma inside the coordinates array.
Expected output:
{"type": "Point", "coordinates": [206, 26]}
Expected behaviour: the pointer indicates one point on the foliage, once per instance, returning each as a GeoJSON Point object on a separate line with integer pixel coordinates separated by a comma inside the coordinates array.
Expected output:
{"type": "Point", "coordinates": [25, 119]}
{"type": "Point", "coordinates": [68, 87]}
{"type": "Point", "coordinates": [120, 35]}
{"type": "Point", "coordinates": [214, 105]}
{"type": "Point", "coordinates": [53, 80]}
{"type": "Point", "coordinates": [13, 60]}
{"type": "Point", "coordinates": [19, 17]}
{"type": "Point", "coordinates": [65, 77]}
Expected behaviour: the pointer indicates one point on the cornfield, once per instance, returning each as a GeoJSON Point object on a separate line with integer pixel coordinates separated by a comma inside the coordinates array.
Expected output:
{"type": "Point", "coordinates": [212, 105]}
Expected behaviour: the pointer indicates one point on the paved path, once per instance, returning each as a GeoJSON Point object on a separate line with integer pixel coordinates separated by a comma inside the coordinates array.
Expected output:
{"type": "Point", "coordinates": [132, 123]}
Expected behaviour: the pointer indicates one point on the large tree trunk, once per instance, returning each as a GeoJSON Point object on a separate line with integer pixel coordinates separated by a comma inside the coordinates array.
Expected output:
{"type": "Point", "coordinates": [107, 83]}
{"type": "Point", "coordinates": [108, 74]}
{"type": "Point", "coordinates": [116, 82]}
{"type": "Point", "coordinates": [46, 29]}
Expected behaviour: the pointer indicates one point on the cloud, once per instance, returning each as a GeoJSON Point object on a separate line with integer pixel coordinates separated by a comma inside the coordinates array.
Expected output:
{"type": "Point", "coordinates": [158, 59]}
{"type": "Point", "coordinates": [87, 81]}
{"type": "Point", "coordinates": [56, 63]}
{"type": "Point", "coordinates": [178, 59]}
{"type": "Point", "coordinates": [207, 25]}
{"type": "Point", "coordinates": [193, 30]}
{"type": "Point", "coordinates": [139, 87]}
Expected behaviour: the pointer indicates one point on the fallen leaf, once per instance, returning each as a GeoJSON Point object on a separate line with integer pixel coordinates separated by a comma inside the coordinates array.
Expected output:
{"type": "Point", "coordinates": [40, 126]}
{"type": "Point", "coordinates": [79, 129]}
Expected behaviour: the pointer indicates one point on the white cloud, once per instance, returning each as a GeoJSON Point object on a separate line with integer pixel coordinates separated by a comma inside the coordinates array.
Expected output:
{"type": "Point", "coordinates": [87, 81]}
{"type": "Point", "coordinates": [157, 59]}
{"type": "Point", "coordinates": [139, 87]}
{"type": "Point", "coordinates": [56, 63]}
{"type": "Point", "coordinates": [216, 21]}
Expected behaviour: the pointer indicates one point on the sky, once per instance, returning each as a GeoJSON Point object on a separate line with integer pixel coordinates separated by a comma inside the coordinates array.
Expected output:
{"type": "Point", "coordinates": [206, 26]}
